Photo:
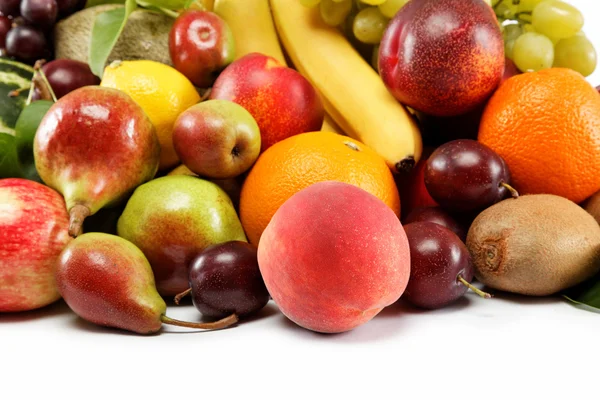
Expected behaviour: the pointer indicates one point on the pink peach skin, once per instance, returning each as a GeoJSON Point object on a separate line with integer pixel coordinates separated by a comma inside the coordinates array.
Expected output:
{"type": "Point", "coordinates": [333, 257]}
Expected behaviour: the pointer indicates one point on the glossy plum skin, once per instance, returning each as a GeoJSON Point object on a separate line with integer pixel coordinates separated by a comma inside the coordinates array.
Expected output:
{"type": "Point", "coordinates": [438, 258]}
{"type": "Point", "coordinates": [465, 176]}
{"type": "Point", "coordinates": [67, 75]}
{"type": "Point", "coordinates": [442, 57]}
{"type": "Point", "coordinates": [437, 215]}
{"type": "Point", "coordinates": [225, 279]}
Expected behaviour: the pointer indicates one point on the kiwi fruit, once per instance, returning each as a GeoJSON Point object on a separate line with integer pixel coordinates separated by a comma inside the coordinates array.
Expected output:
{"type": "Point", "coordinates": [592, 206]}
{"type": "Point", "coordinates": [535, 245]}
{"type": "Point", "coordinates": [145, 36]}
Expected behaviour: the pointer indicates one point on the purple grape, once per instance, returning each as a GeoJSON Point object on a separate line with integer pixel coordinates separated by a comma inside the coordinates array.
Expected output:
{"type": "Point", "coordinates": [40, 13]}
{"type": "Point", "coordinates": [26, 43]}
{"type": "Point", "coordinates": [68, 7]}
{"type": "Point", "coordinates": [10, 8]}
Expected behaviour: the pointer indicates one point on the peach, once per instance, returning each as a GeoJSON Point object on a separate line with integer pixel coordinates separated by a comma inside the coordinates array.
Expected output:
{"type": "Point", "coordinates": [333, 257]}
{"type": "Point", "coordinates": [282, 101]}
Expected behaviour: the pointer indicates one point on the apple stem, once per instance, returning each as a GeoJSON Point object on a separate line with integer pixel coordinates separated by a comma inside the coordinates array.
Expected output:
{"type": "Point", "coordinates": [481, 293]}
{"type": "Point", "coordinates": [513, 192]}
{"type": "Point", "coordinates": [77, 214]}
{"type": "Point", "coordinates": [220, 324]}
{"type": "Point", "coordinates": [181, 295]}
{"type": "Point", "coordinates": [205, 95]}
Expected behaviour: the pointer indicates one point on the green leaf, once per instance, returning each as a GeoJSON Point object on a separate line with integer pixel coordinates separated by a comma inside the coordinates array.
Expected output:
{"type": "Point", "coordinates": [94, 3]}
{"type": "Point", "coordinates": [105, 33]}
{"type": "Point", "coordinates": [168, 4]}
{"type": "Point", "coordinates": [26, 127]}
{"type": "Point", "coordinates": [587, 294]}
{"type": "Point", "coordinates": [9, 160]}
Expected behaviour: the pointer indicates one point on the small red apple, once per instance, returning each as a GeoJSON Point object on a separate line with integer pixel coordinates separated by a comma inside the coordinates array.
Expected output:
{"type": "Point", "coordinates": [282, 101]}
{"type": "Point", "coordinates": [34, 229]}
{"type": "Point", "coordinates": [201, 45]}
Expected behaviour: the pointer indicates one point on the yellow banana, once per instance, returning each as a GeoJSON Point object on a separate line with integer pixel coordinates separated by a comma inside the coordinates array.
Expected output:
{"type": "Point", "coordinates": [353, 93]}
{"type": "Point", "coordinates": [329, 125]}
{"type": "Point", "coordinates": [252, 25]}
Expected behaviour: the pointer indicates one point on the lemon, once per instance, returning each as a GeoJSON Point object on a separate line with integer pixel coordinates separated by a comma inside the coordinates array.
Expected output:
{"type": "Point", "coordinates": [161, 91]}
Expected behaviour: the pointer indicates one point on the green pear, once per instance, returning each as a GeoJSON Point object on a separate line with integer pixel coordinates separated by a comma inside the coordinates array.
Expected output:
{"type": "Point", "coordinates": [172, 219]}
{"type": "Point", "coordinates": [107, 280]}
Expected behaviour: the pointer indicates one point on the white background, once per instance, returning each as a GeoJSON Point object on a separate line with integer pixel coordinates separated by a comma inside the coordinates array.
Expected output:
{"type": "Point", "coordinates": [505, 348]}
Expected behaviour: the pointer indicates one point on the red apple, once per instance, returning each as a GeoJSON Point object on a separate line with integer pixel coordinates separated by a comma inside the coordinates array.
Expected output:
{"type": "Point", "coordinates": [217, 139]}
{"type": "Point", "coordinates": [442, 57]}
{"type": "Point", "coordinates": [201, 45]}
{"type": "Point", "coordinates": [282, 101]}
{"type": "Point", "coordinates": [510, 70]}
{"type": "Point", "coordinates": [333, 257]}
{"type": "Point", "coordinates": [34, 229]}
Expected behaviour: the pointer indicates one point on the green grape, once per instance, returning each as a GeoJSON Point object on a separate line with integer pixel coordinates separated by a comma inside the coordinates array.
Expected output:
{"type": "Point", "coordinates": [512, 32]}
{"type": "Point", "coordinates": [506, 9]}
{"type": "Point", "coordinates": [391, 7]}
{"type": "Point", "coordinates": [533, 52]}
{"type": "Point", "coordinates": [528, 28]}
{"type": "Point", "coordinates": [310, 3]}
{"type": "Point", "coordinates": [334, 13]}
{"type": "Point", "coordinates": [369, 25]}
{"type": "Point", "coordinates": [375, 58]}
{"type": "Point", "coordinates": [557, 19]}
{"type": "Point", "coordinates": [373, 2]}
{"type": "Point", "coordinates": [528, 5]}
{"type": "Point", "coordinates": [577, 53]}
{"type": "Point", "coordinates": [509, 48]}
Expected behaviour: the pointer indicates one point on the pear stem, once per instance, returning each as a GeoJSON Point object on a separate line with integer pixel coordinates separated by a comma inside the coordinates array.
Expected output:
{"type": "Point", "coordinates": [77, 214]}
{"type": "Point", "coordinates": [40, 81]}
{"type": "Point", "coordinates": [181, 295]}
{"type": "Point", "coordinates": [220, 324]}
{"type": "Point", "coordinates": [513, 192]}
{"type": "Point", "coordinates": [481, 293]}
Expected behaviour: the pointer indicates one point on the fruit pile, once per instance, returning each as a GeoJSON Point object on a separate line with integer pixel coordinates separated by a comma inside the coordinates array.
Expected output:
{"type": "Point", "coordinates": [235, 175]}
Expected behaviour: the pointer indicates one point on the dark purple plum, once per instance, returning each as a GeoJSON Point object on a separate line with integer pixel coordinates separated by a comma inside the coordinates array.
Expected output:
{"type": "Point", "coordinates": [67, 75]}
{"type": "Point", "coordinates": [441, 269]}
{"type": "Point", "coordinates": [466, 176]}
{"type": "Point", "coordinates": [225, 279]}
{"type": "Point", "coordinates": [26, 44]}
{"type": "Point", "coordinates": [40, 13]}
{"type": "Point", "coordinates": [437, 215]}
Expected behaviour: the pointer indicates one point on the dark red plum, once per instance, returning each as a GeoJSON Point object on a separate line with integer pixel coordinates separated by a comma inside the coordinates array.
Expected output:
{"type": "Point", "coordinates": [67, 75]}
{"type": "Point", "coordinates": [437, 215]}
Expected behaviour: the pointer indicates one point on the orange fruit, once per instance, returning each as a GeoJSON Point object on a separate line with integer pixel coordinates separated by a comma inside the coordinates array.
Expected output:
{"type": "Point", "coordinates": [546, 126]}
{"type": "Point", "coordinates": [302, 160]}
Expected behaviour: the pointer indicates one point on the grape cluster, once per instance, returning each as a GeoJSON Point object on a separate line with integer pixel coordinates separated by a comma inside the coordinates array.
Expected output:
{"type": "Point", "coordinates": [538, 34]}
{"type": "Point", "coordinates": [26, 26]}
{"type": "Point", "coordinates": [541, 34]}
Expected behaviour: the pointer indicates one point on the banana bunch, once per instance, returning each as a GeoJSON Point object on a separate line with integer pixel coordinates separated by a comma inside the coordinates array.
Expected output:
{"type": "Point", "coordinates": [357, 102]}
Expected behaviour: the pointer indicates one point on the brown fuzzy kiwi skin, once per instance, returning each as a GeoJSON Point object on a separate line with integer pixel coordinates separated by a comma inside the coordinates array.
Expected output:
{"type": "Point", "coordinates": [145, 36]}
{"type": "Point", "coordinates": [592, 206]}
{"type": "Point", "coordinates": [535, 245]}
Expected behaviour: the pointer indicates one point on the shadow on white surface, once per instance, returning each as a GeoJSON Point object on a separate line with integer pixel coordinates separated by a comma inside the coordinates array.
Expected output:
{"type": "Point", "coordinates": [54, 310]}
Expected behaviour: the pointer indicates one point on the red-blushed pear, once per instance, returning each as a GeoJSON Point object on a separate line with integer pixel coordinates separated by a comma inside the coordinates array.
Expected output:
{"type": "Point", "coordinates": [95, 145]}
{"type": "Point", "coordinates": [107, 280]}
{"type": "Point", "coordinates": [217, 139]}
{"type": "Point", "coordinates": [280, 99]}
{"type": "Point", "coordinates": [333, 257]}
{"type": "Point", "coordinates": [33, 231]}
